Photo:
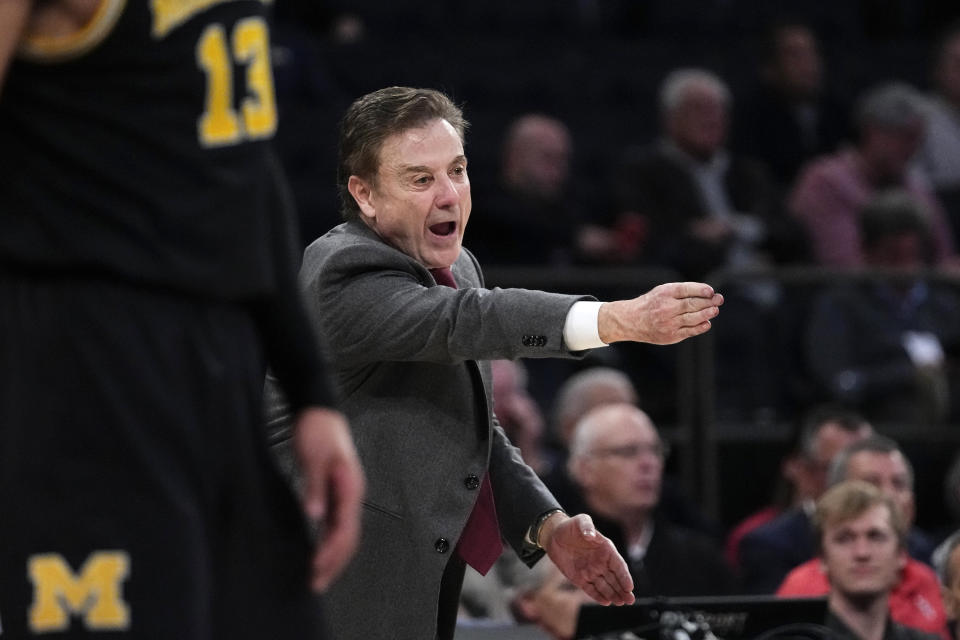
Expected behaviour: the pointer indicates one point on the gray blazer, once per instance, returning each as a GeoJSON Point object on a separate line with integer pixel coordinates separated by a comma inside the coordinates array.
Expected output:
{"type": "Point", "coordinates": [409, 360]}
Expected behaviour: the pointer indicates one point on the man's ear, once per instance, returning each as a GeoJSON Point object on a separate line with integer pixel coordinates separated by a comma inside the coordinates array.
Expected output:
{"type": "Point", "coordinates": [950, 605]}
{"type": "Point", "coordinates": [902, 558]}
{"type": "Point", "coordinates": [362, 193]}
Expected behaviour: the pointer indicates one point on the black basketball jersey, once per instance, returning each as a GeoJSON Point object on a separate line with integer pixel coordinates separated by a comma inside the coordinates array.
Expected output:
{"type": "Point", "coordinates": [140, 149]}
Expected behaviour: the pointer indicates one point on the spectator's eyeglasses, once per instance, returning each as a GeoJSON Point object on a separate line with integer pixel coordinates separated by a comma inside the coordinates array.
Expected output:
{"type": "Point", "coordinates": [630, 451]}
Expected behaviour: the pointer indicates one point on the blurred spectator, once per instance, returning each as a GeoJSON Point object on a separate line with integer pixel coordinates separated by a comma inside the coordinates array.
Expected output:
{"type": "Point", "coordinates": [832, 190]}
{"type": "Point", "coordinates": [951, 491]}
{"type": "Point", "coordinates": [940, 154]}
{"type": "Point", "coordinates": [771, 550]}
{"type": "Point", "coordinates": [541, 595]}
{"type": "Point", "coordinates": [580, 394]}
{"type": "Point", "coordinates": [535, 215]}
{"type": "Point", "coordinates": [946, 560]}
{"type": "Point", "coordinates": [860, 536]}
{"type": "Point", "coordinates": [791, 116]}
{"type": "Point", "coordinates": [824, 430]}
{"type": "Point", "coordinates": [485, 599]}
{"type": "Point", "coordinates": [577, 396]}
{"type": "Point", "coordinates": [878, 460]}
{"type": "Point", "coordinates": [617, 459]}
{"type": "Point", "coordinates": [915, 600]}
{"type": "Point", "coordinates": [705, 207]}
{"type": "Point", "coordinates": [518, 413]}
{"type": "Point", "coordinates": [483, 596]}
{"type": "Point", "coordinates": [584, 391]}
{"type": "Point", "coordinates": [887, 346]}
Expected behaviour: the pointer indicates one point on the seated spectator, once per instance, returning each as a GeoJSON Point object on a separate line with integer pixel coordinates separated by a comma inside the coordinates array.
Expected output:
{"type": "Point", "coordinates": [939, 157]}
{"type": "Point", "coordinates": [880, 461]}
{"type": "Point", "coordinates": [915, 599]}
{"type": "Point", "coordinates": [578, 395]}
{"type": "Point", "coordinates": [887, 347]}
{"type": "Point", "coordinates": [861, 536]}
{"type": "Point", "coordinates": [541, 595]}
{"type": "Point", "coordinates": [951, 491]}
{"type": "Point", "coordinates": [946, 560]}
{"type": "Point", "coordinates": [482, 596]}
{"type": "Point", "coordinates": [705, 207]}
{"type": "Point", "coordinates": [771, 550]}
{"type": "Point", "coordinates": [792, 116]}
{"type": "Point", "coordinates": [617, 459]}
{"type": "Point", "coordinates": [802, 470]}
{"type": "Point", "coordinates": [587, 390]}
{"type": "Point", "coordinates": [518, 413]}
{"type": "Point", "coordinates": [832, 190]}
{"type": "Point", "coordinates": [534, 216]}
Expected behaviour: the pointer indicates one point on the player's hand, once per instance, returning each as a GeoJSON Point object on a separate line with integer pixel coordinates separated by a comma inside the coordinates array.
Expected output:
{"type": "Point", "coordinates": [587, 558]}
{"type": "Point", "coordinates": [666, 314]}
{"type": "Point", "coordinates": [333, 487]}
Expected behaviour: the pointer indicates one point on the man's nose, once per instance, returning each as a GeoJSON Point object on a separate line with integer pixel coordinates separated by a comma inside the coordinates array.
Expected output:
{"type": "Point", "coordinates": [447, 194]}
{"type": "Point", "coordinates": [861, 547]}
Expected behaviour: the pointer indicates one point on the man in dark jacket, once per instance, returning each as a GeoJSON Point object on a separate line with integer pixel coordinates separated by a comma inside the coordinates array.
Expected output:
{"type": "Point", "coordinates": [617, 460]}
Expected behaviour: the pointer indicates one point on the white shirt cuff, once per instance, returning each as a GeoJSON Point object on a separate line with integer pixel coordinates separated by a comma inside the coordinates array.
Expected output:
{"type": "Point", "coordinates": [580, 330]}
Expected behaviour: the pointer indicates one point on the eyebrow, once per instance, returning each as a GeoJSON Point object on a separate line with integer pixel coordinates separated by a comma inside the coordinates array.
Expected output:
{"type": "Point", "coordinates": [425, 169]}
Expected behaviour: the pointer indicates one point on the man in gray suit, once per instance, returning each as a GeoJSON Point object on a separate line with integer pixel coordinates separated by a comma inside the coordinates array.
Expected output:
{"type": "Point", "coordinates": [410, 360]}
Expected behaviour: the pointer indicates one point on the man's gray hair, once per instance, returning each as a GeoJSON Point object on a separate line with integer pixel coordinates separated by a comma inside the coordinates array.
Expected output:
{"type": "Point", "coordinates": [894, 104]}
{"type": "Point", "coordinates": [574, 396]}
{"type": "Point", "coordinates": [874, 444]}
{"type": "Point", "coordinates": [941, 558]}
{"type": "Point", "coordinates": [821, 415]}
{"type": "Point", "coordinates": [674, 87]}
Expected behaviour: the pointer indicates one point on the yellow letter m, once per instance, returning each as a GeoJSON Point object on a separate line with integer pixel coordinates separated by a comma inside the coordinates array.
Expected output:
{"type": "Point", "coordinates": [94, 594]}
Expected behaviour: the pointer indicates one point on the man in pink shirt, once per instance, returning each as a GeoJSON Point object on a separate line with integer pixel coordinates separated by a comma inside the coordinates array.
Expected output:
{"type": "Point", "coordinates": [831, 191]}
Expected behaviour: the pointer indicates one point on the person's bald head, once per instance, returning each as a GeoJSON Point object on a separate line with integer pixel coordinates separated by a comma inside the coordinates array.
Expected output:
{"type": "Point", "coordinates": [536, 155]}
{"type": "Point", "coordinates": [617, 459]}
{"type": "Point", "coordinates": [586, 390]}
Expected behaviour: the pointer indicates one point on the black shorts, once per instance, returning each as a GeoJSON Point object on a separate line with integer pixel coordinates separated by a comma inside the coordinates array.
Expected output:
{"type": "Point", "coordinates": [137, 496]}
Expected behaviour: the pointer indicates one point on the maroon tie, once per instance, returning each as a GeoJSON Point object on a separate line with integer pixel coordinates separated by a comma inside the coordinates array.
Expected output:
{"type": "Point", "coordinates": [480, 544]}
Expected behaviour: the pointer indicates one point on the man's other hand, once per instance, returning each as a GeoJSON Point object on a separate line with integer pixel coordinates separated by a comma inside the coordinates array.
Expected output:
{"type": "Point", "coordinates": [587, 558]}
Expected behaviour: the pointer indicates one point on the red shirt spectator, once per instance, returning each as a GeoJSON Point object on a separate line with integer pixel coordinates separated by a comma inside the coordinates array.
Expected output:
{"type": "Point", "coordinates": [915, 601]}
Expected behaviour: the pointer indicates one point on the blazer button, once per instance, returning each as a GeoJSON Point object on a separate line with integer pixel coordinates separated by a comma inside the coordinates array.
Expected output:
{"type": "Point", "coordinates": [471, 482]}
{"type": "Point", "coordinates": [441, 545]}
{"type": "Point", "coordinates": [527, 341]}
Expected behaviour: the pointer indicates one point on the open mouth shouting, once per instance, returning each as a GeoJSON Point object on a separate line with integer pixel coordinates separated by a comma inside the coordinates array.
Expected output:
{"type": "Point", "coordinates": [444, 229]}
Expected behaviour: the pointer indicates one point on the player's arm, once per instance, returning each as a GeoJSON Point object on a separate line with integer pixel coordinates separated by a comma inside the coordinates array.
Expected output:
{"type": "Point", "coordinates": [13, 20]}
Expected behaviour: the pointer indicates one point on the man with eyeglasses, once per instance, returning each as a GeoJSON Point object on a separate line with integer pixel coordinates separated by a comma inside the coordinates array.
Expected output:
{"type": "Point", "coordinates": [617, 459]}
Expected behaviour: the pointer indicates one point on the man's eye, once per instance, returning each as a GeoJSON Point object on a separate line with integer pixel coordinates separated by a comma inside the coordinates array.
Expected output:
{"type": "Point", "coordinates": [421, 180]}
{"type": "Point", "coordinates": [459, 170]}
{"type": "Point", "coordinates": [878, 536]}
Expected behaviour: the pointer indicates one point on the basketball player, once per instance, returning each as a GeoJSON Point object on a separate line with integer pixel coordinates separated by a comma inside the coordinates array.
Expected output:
{"type": "Point", "coordinates": [146, 281]}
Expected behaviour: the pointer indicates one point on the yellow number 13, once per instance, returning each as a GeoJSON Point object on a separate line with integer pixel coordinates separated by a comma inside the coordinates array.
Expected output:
{"type": "Point", "coordinates": [221, 124]}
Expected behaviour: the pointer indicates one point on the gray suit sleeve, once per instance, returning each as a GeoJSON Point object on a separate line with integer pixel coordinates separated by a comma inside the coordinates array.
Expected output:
{"type": "Point", "coordinates": [373, 304]}
{"type": "Point", "coordinates": [519, 494]}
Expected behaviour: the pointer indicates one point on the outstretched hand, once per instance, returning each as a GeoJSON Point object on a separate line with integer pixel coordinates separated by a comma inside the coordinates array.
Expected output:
{"type": "Point", "coordinates": [333, 489]}
{"type": "Point", "coordinates": [587, 558]}
{"type": "Point", "coordinates": [666, 314]}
